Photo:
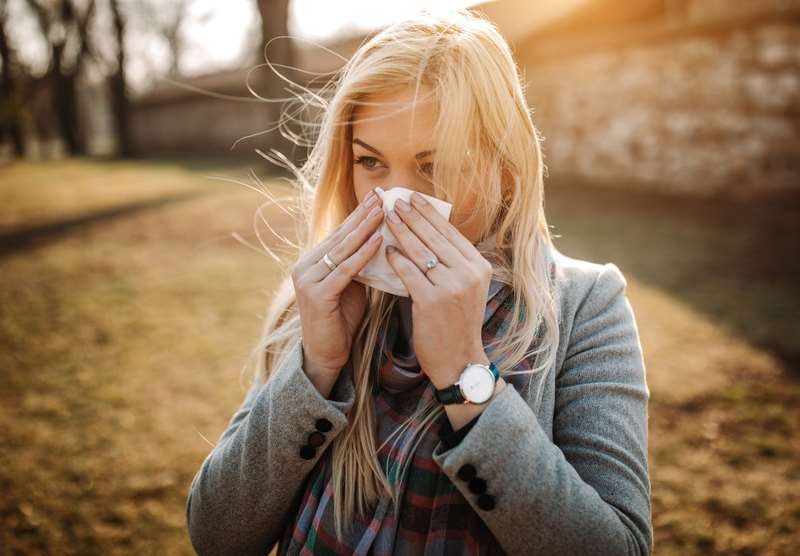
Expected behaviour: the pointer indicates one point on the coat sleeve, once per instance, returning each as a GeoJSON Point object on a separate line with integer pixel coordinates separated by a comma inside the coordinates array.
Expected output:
{"type": "Point", "coordinates": [245, 490]}
{"type": "Point", "coordinates": [588, 490]}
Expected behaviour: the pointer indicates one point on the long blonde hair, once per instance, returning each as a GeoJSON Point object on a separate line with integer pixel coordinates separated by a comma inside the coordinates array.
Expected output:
{"type": "Point", "coordinates": [484, 137]}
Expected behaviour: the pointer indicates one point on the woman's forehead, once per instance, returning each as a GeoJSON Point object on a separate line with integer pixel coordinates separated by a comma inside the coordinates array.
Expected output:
{"type": "Point", "coordinates": [395, 105]}
{"type": "Point", "coordinates": [396, 119]}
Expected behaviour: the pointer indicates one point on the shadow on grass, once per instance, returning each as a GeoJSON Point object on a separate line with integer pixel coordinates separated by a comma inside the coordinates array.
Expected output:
{"type": "Point", "coordinates": [734, 261]}
{"type": "Point", "coordinates": [24, 238]}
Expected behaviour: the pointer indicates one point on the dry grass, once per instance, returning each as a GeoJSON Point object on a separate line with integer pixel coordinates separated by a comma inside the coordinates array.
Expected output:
{"type": "Point", "coordinates": [123, 340]}
{"type": "Point", "coordinates": [128, 310]}
{"type": "Point", "coordinates": [714, 286]}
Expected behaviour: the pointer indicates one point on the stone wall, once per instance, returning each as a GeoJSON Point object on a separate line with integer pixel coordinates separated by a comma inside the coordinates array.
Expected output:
{"type": "Point", "coordinates": [199, 125]}
{"type": "Point", "coordinates": [709, 105]}
{"type": "Point", "coordinates": [702, 99]}
{"type": "Point", "coordinates": [207, 114]}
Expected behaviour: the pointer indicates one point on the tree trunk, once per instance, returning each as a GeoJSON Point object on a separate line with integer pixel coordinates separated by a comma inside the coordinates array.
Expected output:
{"type": "Point", "coordinates": [57, 21]}
{"type": "Point", "coordinates": [10, 107]}
{"type": "Point", "coordinates": [66, 103]}
{"type": "Point", "coordinates": [120, 104]}
{"type": "Point", "coordinates": [274, 23]}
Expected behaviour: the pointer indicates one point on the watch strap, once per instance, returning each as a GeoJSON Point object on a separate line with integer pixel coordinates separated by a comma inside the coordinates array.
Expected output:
{"type": "Point", "coordinates": [449, 395]}
{"type": "Point", "coordinates": [495, 372]}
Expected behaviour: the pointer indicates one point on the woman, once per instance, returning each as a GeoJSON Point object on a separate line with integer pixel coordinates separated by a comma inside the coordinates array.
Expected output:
{"type": "Point", "coordinates": [353, 438]}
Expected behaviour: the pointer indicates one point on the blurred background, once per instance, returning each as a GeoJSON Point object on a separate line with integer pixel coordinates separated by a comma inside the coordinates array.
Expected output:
{"type": "Point", "coordinates": [136, 208]}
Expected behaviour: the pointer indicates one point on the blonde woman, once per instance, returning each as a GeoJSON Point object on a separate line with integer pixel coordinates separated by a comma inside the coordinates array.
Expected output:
{"type": "Point", "coordinates": [500, 407]}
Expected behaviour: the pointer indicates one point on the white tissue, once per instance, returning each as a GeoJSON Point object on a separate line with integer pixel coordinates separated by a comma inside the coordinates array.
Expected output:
{"type": "Point", "coordinates": [378, 273]}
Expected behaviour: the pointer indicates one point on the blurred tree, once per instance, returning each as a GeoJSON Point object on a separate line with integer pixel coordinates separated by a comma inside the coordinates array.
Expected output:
{"type": "Point", "coordinates": [168, 20]}
{"type": "Point", "coordinates": [10, 104]}
{"type": "Point", "coordinates": [66, 32]}
{"type": "Point", "coordinates": [280, 52]}
{"type": "Point", "coordinates": [120, 103]}
{"type": "Point", "coordinates": [144, 20]}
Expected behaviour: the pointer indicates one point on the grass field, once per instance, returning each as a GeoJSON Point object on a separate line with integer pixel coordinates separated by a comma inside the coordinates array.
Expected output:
{"type": "Point", "coordinates": [127, 310]}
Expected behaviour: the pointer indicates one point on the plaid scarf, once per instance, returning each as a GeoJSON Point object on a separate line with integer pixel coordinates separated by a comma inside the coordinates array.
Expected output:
{"type": "Point", "coordinates": [434, 517]}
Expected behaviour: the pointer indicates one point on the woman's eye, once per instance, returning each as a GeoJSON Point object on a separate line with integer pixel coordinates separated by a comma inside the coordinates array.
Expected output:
{"type": "Point", "coordinates": [427, 168]}
{"type": "Point", "coordinates": [368, 162]}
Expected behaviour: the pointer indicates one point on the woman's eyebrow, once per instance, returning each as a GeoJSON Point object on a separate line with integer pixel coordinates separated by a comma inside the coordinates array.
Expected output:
{"type": "Point", "coordinates": [376, 151]}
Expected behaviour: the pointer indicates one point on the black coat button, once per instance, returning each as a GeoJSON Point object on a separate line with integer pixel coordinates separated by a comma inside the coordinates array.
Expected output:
{"type": "Point", "coordinates": [323, 425]}
{"type": "Point", "coordinates": [316, 439]}
{"type": "Point", "coordinates": [486, 501]}
{"type": "Point", "coordinates": [477, 485]}
{"type": "Point", "coordinates": [308, 452]}
{"type": "Point", "coordinates": [467, 472]}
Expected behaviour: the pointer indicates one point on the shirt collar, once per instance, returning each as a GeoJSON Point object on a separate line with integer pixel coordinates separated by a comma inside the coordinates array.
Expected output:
{"type": "Point", "coordinates": [493, 300]}
{"type": "Point", "coordinates": [487, 245]}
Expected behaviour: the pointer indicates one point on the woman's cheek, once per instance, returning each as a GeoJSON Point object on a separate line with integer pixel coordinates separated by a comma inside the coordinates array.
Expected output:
{"type": "Point", "coordinates": [464, 220]}
{"type": "Point", "coordinates": [361, 187]}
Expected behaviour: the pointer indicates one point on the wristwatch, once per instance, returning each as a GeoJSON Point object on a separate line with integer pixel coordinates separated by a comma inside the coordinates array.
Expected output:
{"type": "Point", "coordinates": [475, 385]}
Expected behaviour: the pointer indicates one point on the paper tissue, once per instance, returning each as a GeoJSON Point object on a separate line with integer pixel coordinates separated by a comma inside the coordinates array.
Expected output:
{"type": "Point", "coordinates": [378, 273]}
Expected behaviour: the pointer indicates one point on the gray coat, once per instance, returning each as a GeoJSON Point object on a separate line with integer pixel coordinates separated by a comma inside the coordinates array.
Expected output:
{"type": "Point", "coordinates": [569, 476]}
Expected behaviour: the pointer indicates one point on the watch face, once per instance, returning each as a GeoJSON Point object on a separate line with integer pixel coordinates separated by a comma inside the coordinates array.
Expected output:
{"type": "Point", "coordinates": [477, 383]}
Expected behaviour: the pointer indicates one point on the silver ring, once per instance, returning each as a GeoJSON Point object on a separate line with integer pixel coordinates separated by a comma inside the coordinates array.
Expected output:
{"type": "Point", "coordinates": [430, 263]}
{"type": "Point", "coordinates": [327, 260]}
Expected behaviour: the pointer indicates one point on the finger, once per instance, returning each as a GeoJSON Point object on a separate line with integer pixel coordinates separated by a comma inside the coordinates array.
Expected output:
{"type": "Point", "coordinates": [348, 245]}
{"type": "Point", "coordinates": [417, 284]}
{"type": "Point", "coordinates": [340, 277]}
{"type": "Point", "coordinates": [416, 251]}
{"type": "Point", "coordinates": [445, 251]}
{"type": "Point", "coordinates": [450, 232]}
{"type": "Point", "coordinates": [361, 212]}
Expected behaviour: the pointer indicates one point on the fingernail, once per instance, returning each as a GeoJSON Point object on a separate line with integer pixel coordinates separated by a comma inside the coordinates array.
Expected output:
{"type": "Point", "coordinates": [374, 212]}
{"type": "Point", "coordinates": [393, 217]}
{"type": "Point", "coordinates": [402, 205]}
{"type": "Point", "coordinates": [371, 199]}
{"type": "Point", "coordinates": [390, 249]}
{"type": "Point", "coordinates": [419, 198]}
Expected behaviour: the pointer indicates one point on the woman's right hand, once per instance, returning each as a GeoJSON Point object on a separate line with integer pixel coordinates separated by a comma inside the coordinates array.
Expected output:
{"type": "Point", "coordinates": [330, 302]}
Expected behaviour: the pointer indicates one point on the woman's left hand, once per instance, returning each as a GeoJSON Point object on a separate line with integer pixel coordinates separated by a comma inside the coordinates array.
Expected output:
{"type": "Point", "coordinates": [449, 300]}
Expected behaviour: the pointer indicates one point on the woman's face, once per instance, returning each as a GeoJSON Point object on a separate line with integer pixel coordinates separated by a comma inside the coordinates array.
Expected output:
{"type": "Point", "coordinates": [390, 150]}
